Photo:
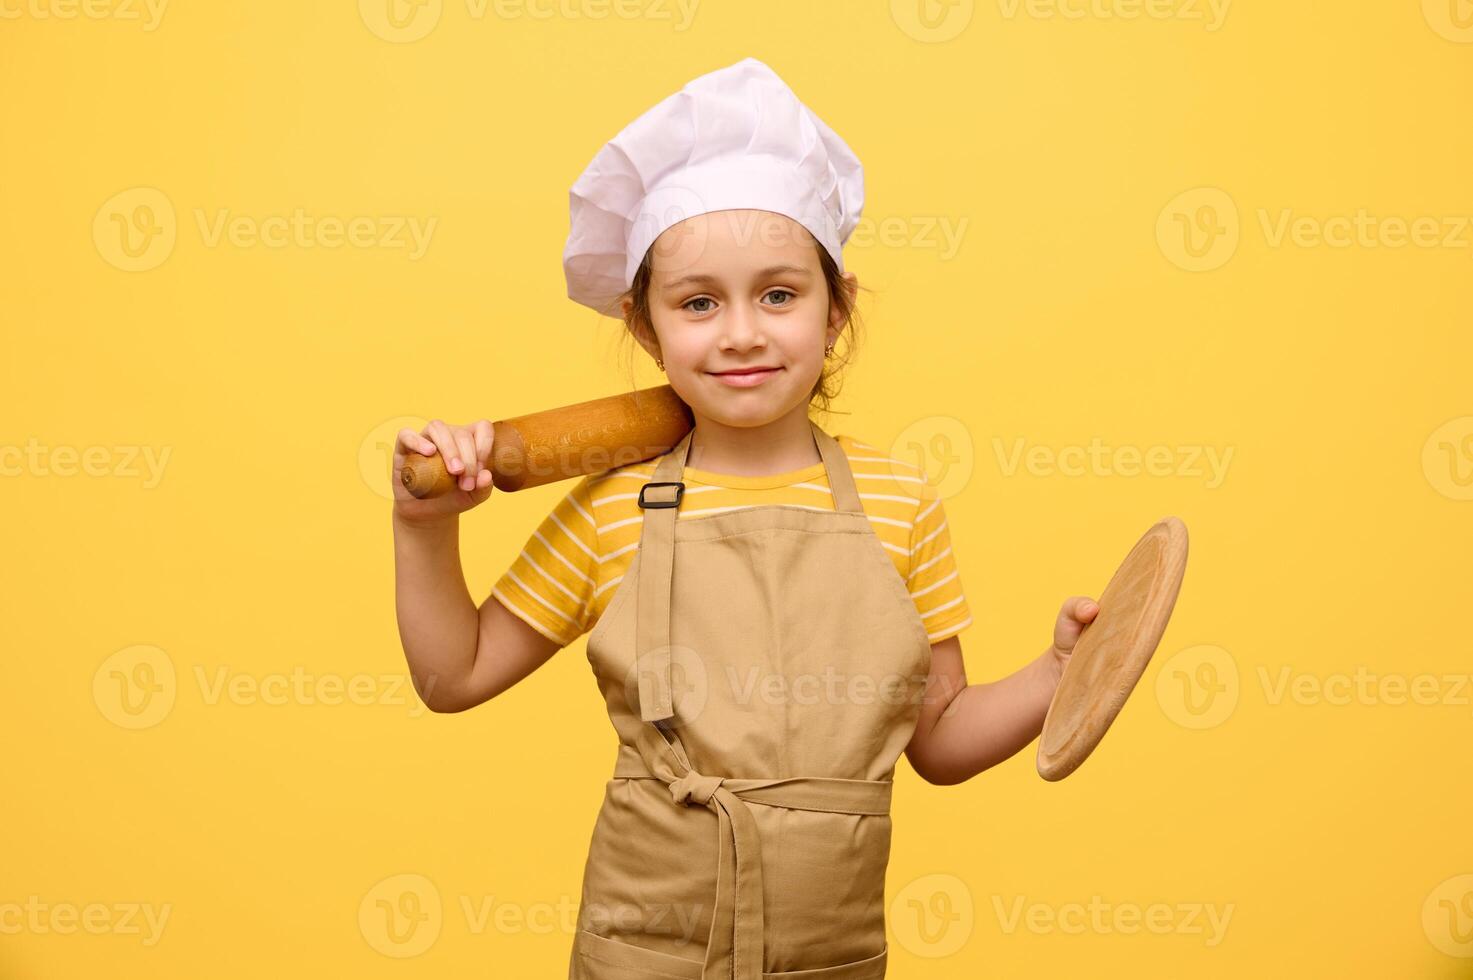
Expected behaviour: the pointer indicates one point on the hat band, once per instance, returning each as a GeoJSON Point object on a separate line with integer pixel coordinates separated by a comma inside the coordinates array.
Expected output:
{"type": "Point", "coordinates": [757, 182]}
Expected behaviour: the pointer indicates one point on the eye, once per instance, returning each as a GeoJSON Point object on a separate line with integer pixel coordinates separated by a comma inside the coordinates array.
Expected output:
{"type": "Point", "coordinates": [783, 292]}
{"type": "Point", "coordinates": [699, 299]}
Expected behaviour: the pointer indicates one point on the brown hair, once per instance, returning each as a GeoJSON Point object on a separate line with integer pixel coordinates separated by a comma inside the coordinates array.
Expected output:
{"type": "Point", "coordinates": [639, 323]}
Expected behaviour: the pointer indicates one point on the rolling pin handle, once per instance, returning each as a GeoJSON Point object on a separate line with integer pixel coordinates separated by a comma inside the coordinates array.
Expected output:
{"type": "Point", "coordinates": [426, 476]}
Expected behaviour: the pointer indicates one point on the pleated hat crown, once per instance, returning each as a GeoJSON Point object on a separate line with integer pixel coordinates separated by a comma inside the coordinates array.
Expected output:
{"type": "Point", "coordinates": [734, 138]}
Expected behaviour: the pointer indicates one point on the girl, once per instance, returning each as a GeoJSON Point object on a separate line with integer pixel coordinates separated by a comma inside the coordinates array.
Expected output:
{"type": "Point", "coordinates": [773, 610]}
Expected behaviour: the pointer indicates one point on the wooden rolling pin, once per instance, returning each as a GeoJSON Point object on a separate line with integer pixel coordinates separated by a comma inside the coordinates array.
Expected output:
{"type": "Point", "coordinates": [561, 443]}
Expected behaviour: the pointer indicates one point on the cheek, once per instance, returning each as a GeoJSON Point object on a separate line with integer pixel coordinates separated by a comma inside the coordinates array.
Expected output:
{"type": "Point", "coordinates": [805, 341]}
{"type": "Point", "coordinates": [684, 348]}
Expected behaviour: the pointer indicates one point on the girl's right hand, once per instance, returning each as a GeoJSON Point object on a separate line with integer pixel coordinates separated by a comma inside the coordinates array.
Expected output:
{"type": "Point", "coordinates": [465, 449]}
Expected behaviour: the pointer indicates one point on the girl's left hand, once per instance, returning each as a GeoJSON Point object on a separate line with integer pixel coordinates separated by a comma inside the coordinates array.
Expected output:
{"type": "Point", "coordinates": [1076, 613]}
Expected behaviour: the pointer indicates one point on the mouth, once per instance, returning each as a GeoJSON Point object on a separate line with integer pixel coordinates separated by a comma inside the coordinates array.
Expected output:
{"type": "Point", "coordinates": [745, 377]}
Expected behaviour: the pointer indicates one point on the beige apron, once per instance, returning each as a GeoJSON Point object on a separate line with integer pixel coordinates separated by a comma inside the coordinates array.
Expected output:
{"type": "Point", "coordinates": [746, 830]}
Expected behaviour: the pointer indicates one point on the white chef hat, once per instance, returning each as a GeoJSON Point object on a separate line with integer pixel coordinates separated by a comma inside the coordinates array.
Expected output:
{"type": "Point", "coordinates": [733, 138]}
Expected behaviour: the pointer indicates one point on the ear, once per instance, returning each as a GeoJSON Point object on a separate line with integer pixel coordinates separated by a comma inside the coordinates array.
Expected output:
{"type": "Point", "coordinates": [836, 320]}
{"type": "Point", "coordinates": [650, 344]}
{"type": "Point", "coordinates": [650, 347]}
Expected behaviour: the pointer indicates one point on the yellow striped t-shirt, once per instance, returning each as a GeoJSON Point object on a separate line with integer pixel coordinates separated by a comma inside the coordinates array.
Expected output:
{"type": "Point", "coordinates": [571, 565]}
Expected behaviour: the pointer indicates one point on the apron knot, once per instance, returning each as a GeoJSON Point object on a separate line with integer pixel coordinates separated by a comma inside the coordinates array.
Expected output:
{"type": "Point", "coordinates": [694, 788]}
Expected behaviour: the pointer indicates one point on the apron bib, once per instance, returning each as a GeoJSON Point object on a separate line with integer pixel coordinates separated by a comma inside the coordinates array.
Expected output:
{"type": "Point", "coordinates": [763, 668]}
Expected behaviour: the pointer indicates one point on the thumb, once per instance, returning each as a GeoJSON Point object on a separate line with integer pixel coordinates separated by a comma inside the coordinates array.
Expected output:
{"type": "Point", "coordinates": [1074, 614]}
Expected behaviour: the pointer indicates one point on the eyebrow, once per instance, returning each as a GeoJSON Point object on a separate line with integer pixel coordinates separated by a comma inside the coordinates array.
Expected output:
{"type": "Point", "coordinates": [771, 270]}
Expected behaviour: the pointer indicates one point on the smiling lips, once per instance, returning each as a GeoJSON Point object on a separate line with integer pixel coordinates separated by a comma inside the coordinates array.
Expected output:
{"type": "Point", "coordinates": [745, 377]}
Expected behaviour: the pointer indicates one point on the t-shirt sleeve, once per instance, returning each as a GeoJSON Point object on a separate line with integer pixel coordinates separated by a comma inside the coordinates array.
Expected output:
{"type": "Point", "coordinates": [551, 584]}
{"type": "Point", "coordinates": [934, 582]}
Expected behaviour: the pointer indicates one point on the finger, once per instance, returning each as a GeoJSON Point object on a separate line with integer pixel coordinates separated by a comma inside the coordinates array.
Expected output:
{"type": "Point", "coordinates": [1079, 608]}
{"type": "Point", "coordinates": [1070, 613]}
{"type": "Point", "coordinates": [444, 441]}
{"type": "Point", "coordinates": [466, 443]}
{"type": "Point", "coordinates": [484, 486]}
{"type": "Point", "coordinates": [485, 436]}
{"type": "Point", "coordinates": [1071, 621]}
{"type": "Point", "coordinates": [409, 439]}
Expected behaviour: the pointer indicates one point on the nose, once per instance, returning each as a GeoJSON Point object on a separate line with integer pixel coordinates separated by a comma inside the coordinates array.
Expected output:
{"type": "Point", "coordinates": [741, 328]}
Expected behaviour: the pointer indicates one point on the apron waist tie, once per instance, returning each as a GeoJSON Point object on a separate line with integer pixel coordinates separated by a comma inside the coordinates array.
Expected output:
{"type": "Point", "coordinates": [734, 950]}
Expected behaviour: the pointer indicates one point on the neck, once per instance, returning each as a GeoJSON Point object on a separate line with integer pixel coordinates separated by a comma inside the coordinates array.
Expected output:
{"type": "Point", "coordinates": [781, 446]}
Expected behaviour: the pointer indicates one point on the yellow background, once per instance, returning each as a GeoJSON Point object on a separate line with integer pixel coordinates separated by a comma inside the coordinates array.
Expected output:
{"type": "Point", "coordinates": [1075, 151]}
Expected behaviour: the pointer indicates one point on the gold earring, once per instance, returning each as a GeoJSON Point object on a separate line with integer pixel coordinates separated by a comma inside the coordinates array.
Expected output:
{"type": "Point", "coordinates": [828, 351]}
{"type": "Point", "coordinates": [659, 364]}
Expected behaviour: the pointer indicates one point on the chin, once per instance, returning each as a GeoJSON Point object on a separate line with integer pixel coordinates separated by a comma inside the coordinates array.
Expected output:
{"type": "Point", "coordinates": [749, 414]}
{"type": "Point", "coordinates": [744, 417]}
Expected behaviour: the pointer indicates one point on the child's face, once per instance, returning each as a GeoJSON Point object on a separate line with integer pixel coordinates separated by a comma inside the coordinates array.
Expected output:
{"type": "Point", "coordinates": [740, 289]}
